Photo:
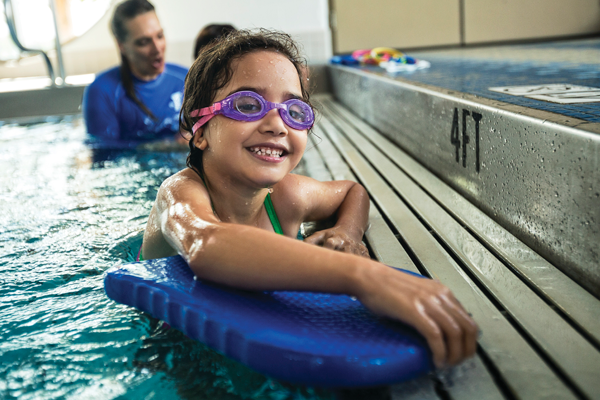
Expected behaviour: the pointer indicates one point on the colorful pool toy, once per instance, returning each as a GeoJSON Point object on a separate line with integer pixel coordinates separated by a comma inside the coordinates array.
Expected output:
{"type": "Point", "coordinates": [390, 59]}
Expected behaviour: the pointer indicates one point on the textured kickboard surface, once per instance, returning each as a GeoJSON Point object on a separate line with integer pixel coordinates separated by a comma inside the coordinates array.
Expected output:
{"type": "Point", "coordinates": [307, 338]}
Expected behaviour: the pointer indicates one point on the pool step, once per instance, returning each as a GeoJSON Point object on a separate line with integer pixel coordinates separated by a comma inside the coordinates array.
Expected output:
{"type": "Point", "coordinates": [540, 331]}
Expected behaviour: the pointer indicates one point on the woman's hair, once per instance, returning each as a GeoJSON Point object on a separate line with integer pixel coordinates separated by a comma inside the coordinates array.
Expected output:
{"type": "Point", "coordinates": [124, 12]}
{"type": "Point", "coordinates": [212, 71]}
{"type": "Point", "coordinates": [210, 33]}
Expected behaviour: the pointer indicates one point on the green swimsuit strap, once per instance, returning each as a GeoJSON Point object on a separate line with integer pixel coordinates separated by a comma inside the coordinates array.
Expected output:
{"type": "Point", "coordinates": [272, 215]}
{"type": "Point", "coordinates": [275, 220]}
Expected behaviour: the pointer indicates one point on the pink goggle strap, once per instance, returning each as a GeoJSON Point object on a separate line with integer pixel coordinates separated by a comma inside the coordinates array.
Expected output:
{"type": "Point", "coordinates": [206, 113]}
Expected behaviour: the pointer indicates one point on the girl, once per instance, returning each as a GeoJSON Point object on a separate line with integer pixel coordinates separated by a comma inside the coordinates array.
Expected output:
{"type": "Point", "coordinates": [248, 108]}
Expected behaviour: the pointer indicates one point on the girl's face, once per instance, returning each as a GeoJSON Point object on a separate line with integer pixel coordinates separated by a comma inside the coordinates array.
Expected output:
{"type": "Point", "coordinates": [258, 153]}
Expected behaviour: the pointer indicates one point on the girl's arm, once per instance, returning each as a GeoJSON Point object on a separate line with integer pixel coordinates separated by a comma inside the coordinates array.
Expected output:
{"type": "Point", "coordinates": [250, 258]}
{"type": "Point", "coordinates": [346, 201]}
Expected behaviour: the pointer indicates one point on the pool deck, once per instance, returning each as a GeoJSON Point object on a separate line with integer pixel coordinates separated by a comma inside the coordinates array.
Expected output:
{"type": "Point", "coordinates": [473, 71]}
{"type": "Point", "coordinates": [528, 159]}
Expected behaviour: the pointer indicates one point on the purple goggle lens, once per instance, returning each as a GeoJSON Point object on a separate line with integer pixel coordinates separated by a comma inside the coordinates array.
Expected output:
{"type": "Point", "coordinates": [250, 106]}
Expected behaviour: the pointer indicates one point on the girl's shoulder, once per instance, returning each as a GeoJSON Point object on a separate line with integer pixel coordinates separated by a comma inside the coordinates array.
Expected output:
{"type": "Point", "coordinates": [295, 193]}
{"type": "Point", "coordinates": [289, 202]}
{"type": "Point", "coordinates": [293, 185]}
{"type": "Point", "coordinates": [300, 185]}
{"type": "Point", "coordinates": [182, 180]}
{"type": "Point", "coordinates": [301, 197]}
{"type": "Point", "coordinates": [183, 190]}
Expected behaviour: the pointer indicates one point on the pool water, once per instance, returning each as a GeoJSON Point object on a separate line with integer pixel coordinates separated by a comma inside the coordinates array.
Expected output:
{"type": "Point", "coordinates": [67, 215]}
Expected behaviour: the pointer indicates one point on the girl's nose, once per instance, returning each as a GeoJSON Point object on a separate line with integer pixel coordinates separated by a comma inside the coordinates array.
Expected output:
{"type": "Point", "coordinates": [273, 124]}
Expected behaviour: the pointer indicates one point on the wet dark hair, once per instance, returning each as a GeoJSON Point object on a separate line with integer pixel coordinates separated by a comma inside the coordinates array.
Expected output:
{"type": "Point", "coordinates": [124, 12]}
{"type": "Point", "coordinates": [212, 71]}
{"type": "Point", "coordinates": [210, 33]}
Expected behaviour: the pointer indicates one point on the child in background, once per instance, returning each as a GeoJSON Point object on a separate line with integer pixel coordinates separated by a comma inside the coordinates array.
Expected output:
{"type": "Point", "coordinates": [235, 212]}
{"type": "Point", "coordinates": [210, 33]}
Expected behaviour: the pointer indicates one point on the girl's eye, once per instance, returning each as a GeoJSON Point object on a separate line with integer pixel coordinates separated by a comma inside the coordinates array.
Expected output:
{"type": "Point", "coordinates": [247, 105]}
{"type": "Point", "coordinates": [297, 113]}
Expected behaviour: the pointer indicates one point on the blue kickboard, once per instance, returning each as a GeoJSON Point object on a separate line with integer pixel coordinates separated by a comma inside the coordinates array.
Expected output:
{"type": "Point", "coordinates": [314, 339]}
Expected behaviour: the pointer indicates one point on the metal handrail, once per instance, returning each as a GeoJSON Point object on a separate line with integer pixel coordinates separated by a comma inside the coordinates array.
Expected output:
{"type": "Point", "coordinates": [10, 21]}
{"type": "Point", "coordinates": [61, 68]}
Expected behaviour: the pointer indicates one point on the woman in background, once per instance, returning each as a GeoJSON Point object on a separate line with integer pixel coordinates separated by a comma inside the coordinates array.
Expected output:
{"type": "Point", "coordinates": [138, 101]}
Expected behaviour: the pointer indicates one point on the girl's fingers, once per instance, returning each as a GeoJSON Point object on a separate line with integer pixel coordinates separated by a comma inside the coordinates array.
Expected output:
{"type": "Point", "coordinates": [434, 335]}
{"type": "Point", "coordinates": [428, 306]}
{"type": "Point", "coordinates": [452, 330]}
{"type": "Point", "coordinates": [338, 242]}
{"type": "Point", "coordinates": [316, 239]}
{"type": "Point", "coordinates": [364, 251]}
{"type": "Point", "coordinates": [334, 243]}
{"type": "Point", "coordinates": [353, 247]}
{"type": "Point", "coordinates": [459, 329]}
{"type": "Point", "coordinates": [468, 326]}
{"type": "Point", "coordinates": [361, 250]}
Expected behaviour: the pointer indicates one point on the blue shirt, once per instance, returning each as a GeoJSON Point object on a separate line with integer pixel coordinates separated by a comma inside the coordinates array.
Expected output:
{"type": "Point", "coordinates": [116, 120]}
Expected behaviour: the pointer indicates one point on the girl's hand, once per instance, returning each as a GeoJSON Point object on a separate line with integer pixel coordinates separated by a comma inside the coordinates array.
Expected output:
{"type": "Point", "coordinates": [425, 304]}
{"type": "Point", "coordinates": [337, 239]}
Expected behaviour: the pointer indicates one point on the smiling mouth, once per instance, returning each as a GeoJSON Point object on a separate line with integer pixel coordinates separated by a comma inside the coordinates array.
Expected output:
{"type": "Point", "coordinates": [268, 151]}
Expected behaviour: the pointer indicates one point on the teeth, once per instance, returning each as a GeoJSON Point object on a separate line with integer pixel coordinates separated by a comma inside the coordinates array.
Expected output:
{"type": "Point", "coordinates": [264, 151]}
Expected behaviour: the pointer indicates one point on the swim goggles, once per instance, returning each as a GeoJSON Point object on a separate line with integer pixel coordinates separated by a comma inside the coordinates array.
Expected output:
{"type": "Point", "coordinates": [251, 106]}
